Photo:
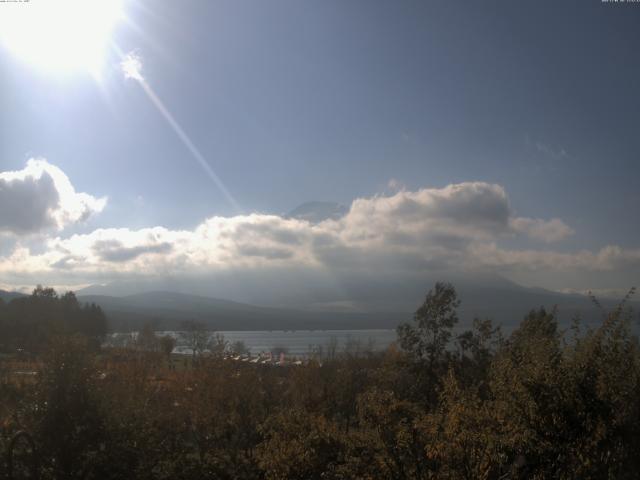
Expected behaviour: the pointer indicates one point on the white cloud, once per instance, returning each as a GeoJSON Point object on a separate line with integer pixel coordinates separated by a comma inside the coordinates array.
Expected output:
{"type": "Point", "coordinates": [606, 259]}
{"type": "Point", "coordinates": [545, 230]}
{"type": "Point", "coordinates": [41, 197]}
{"type": "Point", "coordinates": [407, 233]}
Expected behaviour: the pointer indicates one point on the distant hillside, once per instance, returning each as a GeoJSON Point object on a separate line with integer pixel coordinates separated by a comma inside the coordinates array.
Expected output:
{"type": "Point", "coordinates": [503, 301]}
{"type": "Point", "coordinates": [8, 296]}
{"type": "Point", "coordinates": [506, 306]}
{"type": "Point", "coordinates": [166, 310]}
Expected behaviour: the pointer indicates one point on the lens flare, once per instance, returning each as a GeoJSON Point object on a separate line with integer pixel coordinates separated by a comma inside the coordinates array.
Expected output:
{"type": "Point", "coordinates": [131, 66]}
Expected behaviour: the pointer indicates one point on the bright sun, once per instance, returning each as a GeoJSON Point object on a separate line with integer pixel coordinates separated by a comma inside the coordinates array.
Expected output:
{"type": "Point", "coordinates": [60, 35]}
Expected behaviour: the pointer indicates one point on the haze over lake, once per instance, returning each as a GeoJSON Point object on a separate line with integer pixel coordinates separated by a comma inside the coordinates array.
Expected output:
{"type": "Point", "coordinates": [294, 342]}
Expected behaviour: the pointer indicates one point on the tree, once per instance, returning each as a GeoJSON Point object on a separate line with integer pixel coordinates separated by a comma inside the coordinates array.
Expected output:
{"type": "Point", "coordinates": [569, 410]}
{"type": "Point", "coordinates": [147, 339]}
{"type": "Point", "coordinates": [428, 338]}
{"type": "Point", "coordinates": [395, 436]}
{"type": "Point", "coordinates": [464, 434]}
{"type": "Point", "coordinates": [476, 348]}
{"type": "Point", "coordinates": [217, 345]}
{"type": "Point", "coordinates": [44, 293]}
{"type": "Point", "coordinates": [299, 445]}
{"type": "Point", "coordinates": [195, 335]}
{"type": "Point", "coordinates": [239, 348]}
{"type": "Point", "coordinates": [30, 322]}
{"type": "Point", "coordinates": [167, 344]}
{"type": "Point", "coordinates": [69, 423]}
{"type": "Point", "coordinates": [95, 323]}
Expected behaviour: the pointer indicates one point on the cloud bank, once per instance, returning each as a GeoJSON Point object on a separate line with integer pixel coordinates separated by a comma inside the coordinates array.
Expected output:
{"type": "Point", "coordinates": [458, 227]}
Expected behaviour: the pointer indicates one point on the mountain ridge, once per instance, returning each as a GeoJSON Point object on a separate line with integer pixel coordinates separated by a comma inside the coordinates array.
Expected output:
{"type": "Point", "coordinates": [502, 300]}
{"type": "Point", "coordinates": [167, 310]}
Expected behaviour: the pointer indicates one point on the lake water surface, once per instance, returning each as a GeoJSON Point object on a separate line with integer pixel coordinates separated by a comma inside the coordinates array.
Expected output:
{"type": "Point", "coordinates": [295, 342]}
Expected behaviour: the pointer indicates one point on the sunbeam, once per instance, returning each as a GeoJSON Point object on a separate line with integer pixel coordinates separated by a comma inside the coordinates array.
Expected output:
{"type": "Point", "coordinates": [131, 66]}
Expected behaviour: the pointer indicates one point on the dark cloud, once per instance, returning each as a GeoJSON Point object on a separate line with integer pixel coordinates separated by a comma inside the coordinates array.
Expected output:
{"type": "Point", "coordinates": [41, 197]}
{"type": "Point", "coordinates": [114, 251]}
{"type": "Point", "coordinates": [270, 253]}
{"type": "Point", "coordinates": [276, 231]}
{"type": "Point", "coordinates": [26, 205]}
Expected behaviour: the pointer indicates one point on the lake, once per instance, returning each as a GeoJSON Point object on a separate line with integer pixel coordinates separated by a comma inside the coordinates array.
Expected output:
{"type": "Point", "coordinates": [297, 343]}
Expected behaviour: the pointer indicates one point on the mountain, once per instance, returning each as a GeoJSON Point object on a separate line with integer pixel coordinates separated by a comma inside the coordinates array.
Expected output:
{"type": "Point", "coordinates": [377, 304]}
{"type": "Point", "coordinates": [8, 296]}
{"type": "Point", "coordinates": [166, 311]}
{"type": "Point", "coordinates": [506, 305]}
{"type": "Point", "coordinates": [316, 212]}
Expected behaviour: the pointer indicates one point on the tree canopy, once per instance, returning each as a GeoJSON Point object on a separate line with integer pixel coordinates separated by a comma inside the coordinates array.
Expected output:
{"type": "Point", "coordinates": [27, 323]}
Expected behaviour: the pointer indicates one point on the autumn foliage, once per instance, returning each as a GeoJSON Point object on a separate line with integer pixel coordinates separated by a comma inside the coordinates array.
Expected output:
{"type": "Point", "coordinates": [540, 403]}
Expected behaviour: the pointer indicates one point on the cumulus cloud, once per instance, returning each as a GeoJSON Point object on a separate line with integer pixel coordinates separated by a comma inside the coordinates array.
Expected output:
{"type": "Point", "coordinates": [546, 230]}
{"type": "Point", "coordinates": [608, 258]}
{"type": "Point", "coordinates": [464, 211]}
{"type": "Point", "coordinates": [400, 235]}
{"type": "Point", "coordinates": [115, 251]}
{"type": "Point", "coordinates": [41, 197]}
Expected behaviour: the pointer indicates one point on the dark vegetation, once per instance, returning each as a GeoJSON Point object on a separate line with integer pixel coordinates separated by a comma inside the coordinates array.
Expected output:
{"type": "Point", "coordinates": [27, 323]}
{"type": "Point", "coordinates": [541, 403]}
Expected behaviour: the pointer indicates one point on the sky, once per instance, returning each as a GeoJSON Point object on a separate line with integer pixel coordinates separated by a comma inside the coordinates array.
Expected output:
{"type": "Point", "coordinates": [490, 136]}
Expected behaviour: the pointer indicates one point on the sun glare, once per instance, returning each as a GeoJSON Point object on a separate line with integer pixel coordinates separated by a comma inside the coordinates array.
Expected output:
{"type": "Point", "coordinates": [62, 35]}
{"type": "Point", "coordinates": [132, 66]}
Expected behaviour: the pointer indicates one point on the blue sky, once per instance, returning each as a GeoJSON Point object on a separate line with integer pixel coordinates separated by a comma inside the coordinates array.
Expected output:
{"type": "Point", "coordinates": [293, 101]}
